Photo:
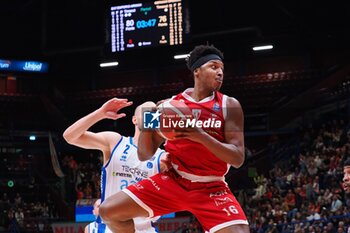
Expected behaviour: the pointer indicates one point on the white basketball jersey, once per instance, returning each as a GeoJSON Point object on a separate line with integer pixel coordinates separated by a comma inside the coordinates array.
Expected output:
{"type": "Point", "coordinates": [123, 169]}
{"type": "Point", "coordinates": [93, 227]}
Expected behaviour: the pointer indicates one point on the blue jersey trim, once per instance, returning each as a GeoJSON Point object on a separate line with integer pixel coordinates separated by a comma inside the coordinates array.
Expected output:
{"type": "Point", "coordinates": [110, 158]}
{"type": "Point", "coordinates": [104, 173]}
{"type": "Point", "coordinates": [132, 143]}
{"type": "Point", "coordinates": [103, 183]}
{"type": "Point", "coordinates": [158, 160]}
{"type": "Point", "coordinates": [98, 219]}
{"type": "Point", "coordinates": [154, 227]}
{"type": "Point", "coordinates": [101, 228]}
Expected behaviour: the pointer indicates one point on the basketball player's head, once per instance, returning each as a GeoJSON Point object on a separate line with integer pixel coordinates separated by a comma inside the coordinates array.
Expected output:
{"type": "Point", "coordinates": [206, 64]}
{"type": "Point", "coordinates": [96, 208]}
{"type": "Point", "coordinates": [346, 177]}
{"type": "Point", "coordinates": [137, 118]}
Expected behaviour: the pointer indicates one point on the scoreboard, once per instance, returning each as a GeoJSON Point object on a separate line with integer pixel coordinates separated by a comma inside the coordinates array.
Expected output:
{"type": "Point", "coordinates": [148, 24]}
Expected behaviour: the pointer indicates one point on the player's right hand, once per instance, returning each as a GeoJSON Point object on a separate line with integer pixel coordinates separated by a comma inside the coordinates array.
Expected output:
{"type": "Point", "coordinates": [111, 107]}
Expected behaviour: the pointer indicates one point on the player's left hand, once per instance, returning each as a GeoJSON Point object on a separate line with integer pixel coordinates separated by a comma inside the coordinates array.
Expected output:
{"type": "Point", "coordinates": [194, 134]}
{"type": "Point", "coordinates": [165, 162]}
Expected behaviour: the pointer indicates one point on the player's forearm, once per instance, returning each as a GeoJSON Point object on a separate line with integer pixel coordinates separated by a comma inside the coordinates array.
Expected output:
{"type": "Point", "coordinates": [228, 153]}
{"type": "Point", "coordinates": [77, 129]}
{"type": "Point", "coordinates": [147, 145]}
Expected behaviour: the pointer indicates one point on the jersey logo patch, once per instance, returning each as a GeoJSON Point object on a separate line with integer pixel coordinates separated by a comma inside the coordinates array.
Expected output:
{"type": "Point", "coordinates": [216, 107]}
{"type": "Point", "coordinates": [196, 113]}
{"type": "Point", "coordinates": [222, 200]}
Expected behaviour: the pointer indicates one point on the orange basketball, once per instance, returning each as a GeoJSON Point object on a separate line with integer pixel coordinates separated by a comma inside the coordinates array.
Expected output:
{"type": "Point", "coordinates": [174, 115]}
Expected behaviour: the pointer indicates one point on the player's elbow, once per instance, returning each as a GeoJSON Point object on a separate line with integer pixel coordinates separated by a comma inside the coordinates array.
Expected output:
{"type": "Point", "coordinates": [238, 161]}
{"type": "Point", "coordinates": [69, 136]}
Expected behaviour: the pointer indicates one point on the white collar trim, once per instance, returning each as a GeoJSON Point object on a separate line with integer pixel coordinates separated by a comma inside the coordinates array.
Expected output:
{"type": "Point", "coordinates": [188, 97]}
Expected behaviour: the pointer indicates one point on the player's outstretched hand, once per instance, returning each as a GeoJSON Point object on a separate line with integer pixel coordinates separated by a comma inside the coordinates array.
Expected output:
{"type": "Point", "coordinates": [111, 107]}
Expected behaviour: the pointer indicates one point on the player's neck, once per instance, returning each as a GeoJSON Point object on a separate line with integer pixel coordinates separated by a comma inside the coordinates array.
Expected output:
{"type": "Point", "coordinates": [135, 138]}
{"type": "Point", "coordinates": [200, 93]}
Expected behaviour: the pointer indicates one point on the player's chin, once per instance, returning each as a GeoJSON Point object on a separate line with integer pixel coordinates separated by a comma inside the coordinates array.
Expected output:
{"type": "Point", "coordinates": [217, 87]}
{"type": "Point", "coordinates": [346, 188]}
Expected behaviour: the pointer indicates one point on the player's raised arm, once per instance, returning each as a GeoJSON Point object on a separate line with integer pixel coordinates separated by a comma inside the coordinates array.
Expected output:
{"type": "Point", "coordinates": [77, 134]}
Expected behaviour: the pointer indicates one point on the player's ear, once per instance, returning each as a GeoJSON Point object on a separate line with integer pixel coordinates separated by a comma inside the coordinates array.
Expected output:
{"type": "Point", "coordinates": [134, 120]}
{"type": "Point", "coordinates": [195, 72]}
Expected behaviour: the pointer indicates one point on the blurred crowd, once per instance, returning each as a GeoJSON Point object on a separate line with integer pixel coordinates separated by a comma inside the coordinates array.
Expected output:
{"type": "Point", "coordinates": [303, 192]}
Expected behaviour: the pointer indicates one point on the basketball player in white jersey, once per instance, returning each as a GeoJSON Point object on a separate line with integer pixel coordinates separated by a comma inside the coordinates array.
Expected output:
{"type": "Point", "coordinates": [93, 226]}
{"type": "Point", "coordinates": [121, 166]}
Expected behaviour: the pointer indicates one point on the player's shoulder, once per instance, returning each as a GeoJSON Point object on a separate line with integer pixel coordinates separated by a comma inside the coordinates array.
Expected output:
{"type": "Point", "coordinates": [232, 102]}
{"type": "Point", "coordinates": [111, 136]}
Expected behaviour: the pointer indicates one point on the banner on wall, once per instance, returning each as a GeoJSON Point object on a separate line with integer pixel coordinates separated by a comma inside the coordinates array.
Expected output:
{"type": "Point", "coordinates": [170, 225]}
{"type": "Point", "coordinates": [23, 66]}
{"type": "Point", "coordinates": [164, 225]}
{"type": "Point", "coordinates": [68, 227]}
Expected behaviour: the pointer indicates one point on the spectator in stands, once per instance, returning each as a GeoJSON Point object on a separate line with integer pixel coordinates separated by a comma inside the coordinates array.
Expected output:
{"type": "Point", "coordinates": [51, 206]}
{"type": "Point", "coordinates": [18, 200]}
{"type": "Point", "coordinates": [79, 192]}
{"type": "Point", "coordinates": [13, 226]}
{"type": "Point", "coordinates": [19, 215]}
{"type": "Point", "coordinates": [261, 183]}
{"type": "Point", "coordinates": [346, 177]}
{"type": "Point", "coordinates": [336, 203]}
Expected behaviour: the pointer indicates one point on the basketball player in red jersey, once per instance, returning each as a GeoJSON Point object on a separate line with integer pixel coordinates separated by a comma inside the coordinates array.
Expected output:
{"type": "Point", "coordinates": [200, 158]}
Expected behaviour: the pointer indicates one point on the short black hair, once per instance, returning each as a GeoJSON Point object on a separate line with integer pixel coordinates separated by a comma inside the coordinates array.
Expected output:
{"type": "Point", "coordinates": [347, 162]}
{"type": "Point", "coordinates": [200, 51]}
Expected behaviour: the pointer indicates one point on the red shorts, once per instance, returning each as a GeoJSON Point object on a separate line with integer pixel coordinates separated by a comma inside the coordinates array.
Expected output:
{"type": "Point", "coordinates": [212, 203]}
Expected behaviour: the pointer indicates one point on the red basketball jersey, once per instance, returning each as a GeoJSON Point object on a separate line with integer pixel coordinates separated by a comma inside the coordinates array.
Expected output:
{"type": "Point", "coordinates": [192, 157]}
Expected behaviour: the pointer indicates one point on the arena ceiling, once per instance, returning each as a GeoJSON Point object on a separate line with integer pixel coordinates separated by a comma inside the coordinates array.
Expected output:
{"type": "Point", "coordinates": [42, 29]}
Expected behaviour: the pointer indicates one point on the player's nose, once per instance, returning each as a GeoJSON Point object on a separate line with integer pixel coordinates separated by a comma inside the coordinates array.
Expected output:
{"type": "Point", "coordinates": [220, 72]}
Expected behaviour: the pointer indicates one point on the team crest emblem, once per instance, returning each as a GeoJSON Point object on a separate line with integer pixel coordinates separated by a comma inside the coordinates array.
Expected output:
{"type": "Point", "coordinates": [196, 113]}
{"type": "Point", "coordinates": [216, 107]}
{"type": "Point", "coordinates": [149, 165]}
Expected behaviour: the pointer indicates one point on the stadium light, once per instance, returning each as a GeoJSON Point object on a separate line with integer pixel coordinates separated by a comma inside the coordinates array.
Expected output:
{"type": "Point", "coordinates": [262, 47]}
{"type": "Point", "coordinates": [109, 64]}
{"type": "Point", "coordinates": [181, 56]}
